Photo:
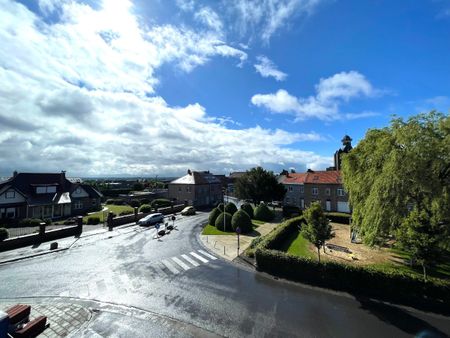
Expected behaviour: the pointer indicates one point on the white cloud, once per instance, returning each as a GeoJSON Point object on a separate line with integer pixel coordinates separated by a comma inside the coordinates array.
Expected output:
{"type": "Point", "coordinates": [77, 95]}
{"type": "Point", "coordinates": [209, 18]}
{"type": "Point", "coordinates": [330, 93]}
{"type": "Point", "coordinates": [266, 17]}
{"type": "Point", "coordinates": [267, 68]}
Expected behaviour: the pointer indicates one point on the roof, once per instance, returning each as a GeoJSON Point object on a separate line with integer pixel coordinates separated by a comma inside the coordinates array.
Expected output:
{"type": "Point", "coordinates": [314, 177]}
{"type": "Point", "coordinates": [197, 177]}
{"type": "Point", "coordinates": [92, 192]}
{"type": "Point", "coordinates": [237, 174]}
{"type": "Point", "coordinates": [24, 182]}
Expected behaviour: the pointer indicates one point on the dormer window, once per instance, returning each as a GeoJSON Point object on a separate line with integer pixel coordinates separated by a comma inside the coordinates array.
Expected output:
{"type": "Point", "coordinates": [50, 189]}
{"type": "Point", "coordinates": [78, 190]}
{"type": "Point", "coordinates": [10, 194]}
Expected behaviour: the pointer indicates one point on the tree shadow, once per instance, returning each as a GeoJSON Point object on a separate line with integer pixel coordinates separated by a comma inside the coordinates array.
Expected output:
{"type": "Point", "coordinates": [400, 318]}
{"type": "Point", "coordinates": [254, 233]}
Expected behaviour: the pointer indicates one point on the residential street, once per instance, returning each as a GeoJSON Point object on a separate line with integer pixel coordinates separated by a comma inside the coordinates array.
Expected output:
{"type": "Point", "coordinates": [173, 286]}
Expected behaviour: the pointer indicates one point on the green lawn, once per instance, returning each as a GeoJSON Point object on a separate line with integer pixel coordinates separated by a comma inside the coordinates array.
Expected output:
{"type": "Point", "coordinates": [298, 246]}
{"type": "Point", "coordinates": [117, 209]}
{"type": "Point", "coordinates": [212, 230]}
{"type": "Point", "coordinates": [257, 222]}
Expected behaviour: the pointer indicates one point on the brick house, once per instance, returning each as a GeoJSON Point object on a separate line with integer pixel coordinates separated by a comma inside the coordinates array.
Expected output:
{"type": "Point", "coordinates": [45, 195]}
{"type": "Point", "coordinates": [197, 188]}
{"type": "Point", "coordinates": [324, 186]}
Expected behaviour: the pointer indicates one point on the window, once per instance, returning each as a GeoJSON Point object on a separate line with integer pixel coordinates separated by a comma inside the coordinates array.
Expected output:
{"type": "Point", "coordinates": [10, 194]}
{"type": "Point", "coordinates": [41, 190]}
{"type": "Point", "coordinates": [290, 188]}
{"type": "Point", "coordinates": [340, 192]}
{"type": "Point", "coordinates": [10, 212]}
{"type": "Point", "coordinates": [78, 205]}
{"type": "Point", "coordinates": [328, 191]}
{"type": "Point", "coordinates": [315, 191]}
{"type": "Point", "coordinates": [179, 189]}
{"type": "Point", "coordinates": [78, 190]}
{"type": "Point", "coordinates": [51, 189]}
{"type": "Point", "coordinates": [302, 189]}
{"type": "Point", "coordinates": [188, 189]}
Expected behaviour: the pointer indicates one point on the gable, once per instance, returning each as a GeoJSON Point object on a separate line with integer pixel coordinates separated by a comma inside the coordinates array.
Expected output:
{"type": "Point", "coordinates": [79, 192]}
{"type": "Point", "coordinates": [11, 195]}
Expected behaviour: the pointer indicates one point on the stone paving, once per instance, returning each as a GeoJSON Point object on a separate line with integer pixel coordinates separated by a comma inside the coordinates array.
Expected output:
{"type": "Point", "coordinates": [64, 318]}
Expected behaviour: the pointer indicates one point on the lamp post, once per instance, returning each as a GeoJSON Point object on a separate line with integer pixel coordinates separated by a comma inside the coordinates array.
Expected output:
{"type": "Point", "coordinates": [224, 218]}
{"type": "Point", "coordinates": [238, 232]}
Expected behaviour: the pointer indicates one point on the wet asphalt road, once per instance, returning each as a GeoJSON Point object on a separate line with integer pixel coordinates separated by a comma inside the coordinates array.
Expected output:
{"type": "Point", "coordinates": [212, 296]}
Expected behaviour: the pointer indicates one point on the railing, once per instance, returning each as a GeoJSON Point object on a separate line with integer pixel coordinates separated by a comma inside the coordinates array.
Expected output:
{"type": "Point", "coordinates": [22, 231]}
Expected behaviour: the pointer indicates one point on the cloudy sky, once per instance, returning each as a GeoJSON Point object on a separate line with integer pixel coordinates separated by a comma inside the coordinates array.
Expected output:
{"type": "Point", "coordinates": [151, 87]}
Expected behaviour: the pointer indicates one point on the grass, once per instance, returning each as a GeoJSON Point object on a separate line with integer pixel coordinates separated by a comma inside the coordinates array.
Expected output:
{"type": "Point", "coordinates": [296, 245]}
{"type": "Point", "coordinates": [116, 209]}
{"type": "Point", "coordinates": [257, 222]}
{"type": "Point", "coordinates": [212, 230]}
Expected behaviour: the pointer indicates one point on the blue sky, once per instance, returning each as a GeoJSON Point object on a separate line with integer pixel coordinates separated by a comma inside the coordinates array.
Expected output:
{"type": "Point", "coordinates": [157, 87]}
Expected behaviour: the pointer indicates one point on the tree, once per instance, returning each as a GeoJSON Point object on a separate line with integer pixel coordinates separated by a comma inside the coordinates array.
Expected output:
{"type": "Point", "coordinates": [231, 208]}
{"type": "Point", "coordinates": [317, 229]}
{"type": "Point", "coordinates": [263, 213]}
{"type": "Point", "coordinates": [259, 185]}
{"type": "Point", "coordinates": [213, 216]}
{"type": "Point", "coordinates": [247, 207]}
{"type": "Point", "coordinates": [397, 169]}
{"type": "Point", "coordinates": [421, 236]}
{"type": "Point", "coordinates": [242, 220]}
{"type": "Point", "coordinates": [223, 222]}
{"type": "Point", "coordinates": [138, 186]}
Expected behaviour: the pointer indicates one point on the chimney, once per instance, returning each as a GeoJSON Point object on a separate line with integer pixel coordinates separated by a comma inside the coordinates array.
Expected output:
{"type": "Point", "coordinates": [15, 173]}
{"type": "Point", "coordinates": [189, 172]}
{"type": "Point", "coordinates": [63, 178]}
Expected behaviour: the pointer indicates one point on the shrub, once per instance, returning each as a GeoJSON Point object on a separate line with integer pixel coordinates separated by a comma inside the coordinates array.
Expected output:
{"type": "Point", "coordinates": [110, 201]}
{"type": "Point", "coordinates": [230, 208]}
{"type": "Point", "coordinates": [30, 222]}
{"type": "Point", "coordinates": [93, 220]}
{"type": "Point", "coordinates": [263, 213]}
{"type": "Point", "coordinates": [338, 217]}
{"type": "Point", "coordinates": [247, 207]}
{"type": "Point", "coordinates": [161, 203]}
{"type": "Point", "coordinates": [119, 202]}
{"type": "Point", "coordinates": [4, 234]}
{"type": "Point", "coordinates": [134, 203]}
{"type": "Point", "coordinates": [145, 201]}
{"type": "Point", "coordinates": [145, 208]}
{"type": "Point", "coordinates": [213, 216]}
{"type": "Point", "coordinates": [220, 206]}
{"type": "Point", "coordinates": [289, 210]}
{"type": "Point", "coordinates": [242, 220]}
{"type": "Point", "coordinates": [126, 212]}
{"type": "Point", "coordinates": [220, 222]}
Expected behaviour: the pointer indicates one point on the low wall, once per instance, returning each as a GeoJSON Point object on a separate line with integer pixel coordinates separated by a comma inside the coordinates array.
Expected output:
{"type": "Point", "coordinates": [121, 220]}
{"type": "Point", "coordinates": [19, 242]}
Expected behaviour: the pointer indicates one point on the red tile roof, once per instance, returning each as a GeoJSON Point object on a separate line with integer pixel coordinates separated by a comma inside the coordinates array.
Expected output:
{"type": "Point", "coordinates": [314, 177]}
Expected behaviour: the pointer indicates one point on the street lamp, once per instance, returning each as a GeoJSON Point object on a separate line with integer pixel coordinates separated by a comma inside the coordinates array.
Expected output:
{"type": "Point", "coordinates": [224, 218]}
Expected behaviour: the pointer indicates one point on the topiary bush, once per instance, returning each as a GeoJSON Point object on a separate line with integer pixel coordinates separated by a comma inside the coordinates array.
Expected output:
{"type": "Point", "coordinates": [242, 220]}
{"type": "Point", "coordinates": [231, 208]}
{"type": "Point", "coordinates": [290, 210]}
{"type": "Point", "coordinates": [145, 201]}
{"type": "Point", "coordinates": [247, 207]}
{"type": "Point", "coordinates": [93, 220]}
{"type": "Point", "coordinates": [213, 216]}
{"type": "Point", "coordinates": [126, 212]}
{"type": "Point", "coordinates": [145, 208]}
{"type": "Point", "coordinates": [263, 213]}
{"type": "Point", "coordinates": [220, 222]}
{"type": "Point", "coordinates": [4, 234]}
{"type": "Point", "coordinates": [134, 203]}
{"type": "Point", "coordinates": [161, 203]}
{"type": "Point", "coordinates": [220, 206]}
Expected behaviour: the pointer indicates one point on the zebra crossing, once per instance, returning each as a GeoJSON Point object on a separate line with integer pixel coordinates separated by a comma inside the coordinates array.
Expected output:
{"type": "Point", "coordinates": [166, 267]}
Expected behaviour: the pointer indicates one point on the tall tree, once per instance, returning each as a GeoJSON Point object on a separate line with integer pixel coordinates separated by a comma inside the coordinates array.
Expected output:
{"type": "Point", "coordinates": [318, 228]}
{"type": "Point", "coordinates": [397, 169]}
{"type": "Point", "coordinates": [259, 185]}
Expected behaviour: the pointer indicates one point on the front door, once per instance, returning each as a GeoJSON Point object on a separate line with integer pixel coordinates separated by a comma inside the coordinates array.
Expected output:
{"type": "Point", "coordinates": [328, 205]}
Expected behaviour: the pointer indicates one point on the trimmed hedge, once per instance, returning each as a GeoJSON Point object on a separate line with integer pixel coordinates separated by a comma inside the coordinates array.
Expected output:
{"type": "Point", "coordinates": [338, 217]}
{"type": "Point", "coordinates": [263, 213]}
{"type": "Point", "coordinates": [247, 207]}
{"type": "Point", "coordinates": [242, 220]}
{"type": "Point", "coordinates": [231, 208]}
{"type": "Point", "coordinates": [134, 203]}
{"type": "Point", "coordinates": [4, 234]}
{"type": "Point", "coordinates": [93, 220]}
{"type": "Point", "coordinates": [220, 224]}
{"type": "Point", "coordinates": [213, 216]}
{"type": "Point", "coordinates": [145, 208]}
{"type": "Point", "coordinates": [30, 222]}
{"type": "Point", "coordinates": [288, 210]}
{"type": "Point", "coordinates": [126, 212]}
{"type": "Point", "coordinates": [161, 203]}
{"type": "Point", "coordinates": [390, 285]}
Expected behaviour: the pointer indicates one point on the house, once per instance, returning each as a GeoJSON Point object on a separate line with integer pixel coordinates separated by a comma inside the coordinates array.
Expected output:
{"type": "Point", "coordinates": [324, 186]}
{"type": "Point", "coordinates": [45, 195]}
{"type": "Point", "coordinates": [232, 178]}
{"type": "Point", "coordinates": [197, 188]}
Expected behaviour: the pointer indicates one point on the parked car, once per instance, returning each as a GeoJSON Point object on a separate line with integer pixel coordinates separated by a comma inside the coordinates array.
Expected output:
{"type": "Point", "coordinates": [151, 219]}
{"type": "Point", "coordinates": [188, 211]}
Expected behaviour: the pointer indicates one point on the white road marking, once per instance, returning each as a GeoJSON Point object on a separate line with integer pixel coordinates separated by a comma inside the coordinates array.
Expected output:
{"type": "Point", "coordinates": [181, 263]}
{"type": "Point", "coordinates": [207, 254]}
{"type": "Point", "coordinates": [169, 266]}
{"type": "Point", "coordinates": [190, 260]}
{"type": "Point", "coordinates": [200, 258]}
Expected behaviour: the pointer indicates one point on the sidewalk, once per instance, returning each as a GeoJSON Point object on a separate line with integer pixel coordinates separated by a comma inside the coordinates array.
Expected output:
{"type": "Point", "coordinates": [63, 244]}
{"type": "Point", "coordinates": [226, 246]}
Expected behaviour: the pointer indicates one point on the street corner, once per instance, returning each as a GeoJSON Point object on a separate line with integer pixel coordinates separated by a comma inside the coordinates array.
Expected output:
{"type": "Point", "coordinates": [64, 319]}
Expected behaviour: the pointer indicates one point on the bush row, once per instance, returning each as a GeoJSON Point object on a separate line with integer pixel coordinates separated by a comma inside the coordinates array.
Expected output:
{"type": "Point", "coordinates": [4, 234]}
{"type": "Point", "coordinates": [391, 285]}
{"type": "Point", "coordinates": [93, 220]}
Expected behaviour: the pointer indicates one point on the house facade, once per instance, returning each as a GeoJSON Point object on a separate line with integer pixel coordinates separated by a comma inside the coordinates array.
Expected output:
{"type": "Point", "coordinates": [45, 196]}
{"type": "Point", "coordinates": [197, 188]}
{"type": "Point", "coordinates": [323, 186]}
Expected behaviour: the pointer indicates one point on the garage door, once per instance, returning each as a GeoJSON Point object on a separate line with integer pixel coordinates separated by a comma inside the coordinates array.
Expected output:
{"type": "Point", "coordinates": [343, 207]}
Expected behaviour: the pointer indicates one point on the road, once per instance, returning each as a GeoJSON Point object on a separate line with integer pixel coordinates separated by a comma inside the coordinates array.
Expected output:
{"type": "Point", "coordinates": [175, 278]}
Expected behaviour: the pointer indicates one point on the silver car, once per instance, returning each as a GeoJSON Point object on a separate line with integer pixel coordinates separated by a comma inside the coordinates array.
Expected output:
{"type": "Point", "coordinates": [151, 219]}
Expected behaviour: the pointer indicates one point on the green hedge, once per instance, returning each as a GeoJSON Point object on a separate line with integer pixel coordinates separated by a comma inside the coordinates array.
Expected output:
{"type": "Point", "coordinates": [247, 207]}
{"type": "Point", "coordinates": [390, 285]}
{"type": "Point", "coordinates": [220, 224]}
{"type": "Point", "coordinates": [231, 208]}
{"type": "Point", "coordinates": [213, 216]}
{"type": "Point", "coordinates": [145, 208]}
{"type": "Point", "coordinates": [242, 220]}
{"type": "Point", "coordinates": [338, 217]}
{"type": "Point", "coordinates": [288, 210]}
{"type": "Point", "coordinates": [134, 203]}
{"type": "Point", "coordinates": [161, 203]}
{"type": "Point", "coordinates": [93, 220]}
{"type": "Point", "coordinates": [263, 213]}
{"type": "Point", "coordinates": [4, 234]}
{"type": "Point", "coordinates": [30, 222]}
